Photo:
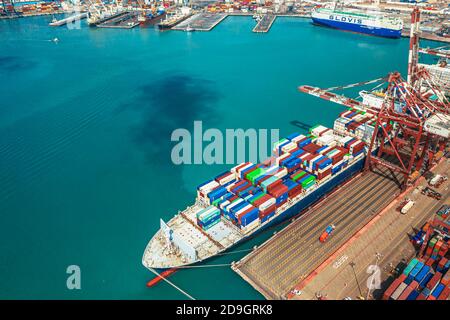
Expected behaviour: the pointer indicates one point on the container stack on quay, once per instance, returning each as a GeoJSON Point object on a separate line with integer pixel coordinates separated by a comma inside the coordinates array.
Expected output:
{"type": "Point", "coordinates": [249, 194]}
{"type": "Point", "coordinates": [356, 123]}
{"type": "Point", "coordinates": [426, 277]}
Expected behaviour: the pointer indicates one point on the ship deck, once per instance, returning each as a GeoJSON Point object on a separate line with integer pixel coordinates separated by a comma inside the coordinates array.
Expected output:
{"type": "Point", "coordinates": [286, 259]}
{"type": "Point", "coordinates": [206, 243]}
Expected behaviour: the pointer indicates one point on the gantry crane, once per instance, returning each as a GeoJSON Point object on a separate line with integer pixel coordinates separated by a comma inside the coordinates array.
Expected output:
{"type": "Point", "coordinates": [410, 126]}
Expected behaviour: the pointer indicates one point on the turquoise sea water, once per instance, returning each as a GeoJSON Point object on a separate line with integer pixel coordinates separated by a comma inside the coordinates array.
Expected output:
{"type": "Point", "coordinates": [85, 126]}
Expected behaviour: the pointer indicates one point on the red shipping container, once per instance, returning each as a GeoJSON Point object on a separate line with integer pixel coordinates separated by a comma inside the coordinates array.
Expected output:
{"type": "Point", "coordinates": [261, 200]}
{"type": "Point", "coordinates": [324, 174]}
{"type": "Point", "coordinates": [274, 185]}
{"type": "Point", "coordinates": [443, 250]}
{"type": "Point", "coordinates": [413, 285]}
{"type": "Point", "coordinates": [442, 263]}
{"type": "Point", "coordinates": [241, 166]}
{"type": "Point", "coordinates": [430, 297]}
{"type": "Point", "coordinates": [446, 278]}
{"type": "Point", "coordinates": [278, 190]}
{"type": "Point", "coordinates": [444, 294]}
{"type": "Point", "coordinates": [337, 157]}
{"type": "Point", "coordinates": [266, 212]}
{"type": "Point", "coordinates": [242, 214]}
{"type": "Point", "coordinates": [223, 176]}
{"type": "Point", "coordinates": [311, 148]}
{"type": "Point", "coordinates": [342, 149]}
{"type": "Point", "coordinates": [309, 157]}
{"type": "Point", "coordinates": [295, 191]}
{"type": "Point", "coordinates": [390, 290]}
{"type": "Point", "coordinates": [429, 262]}
{"type": "Point", "coordinates": [434, 281]}
{"type": "Point", "coordinates": [421, 297]}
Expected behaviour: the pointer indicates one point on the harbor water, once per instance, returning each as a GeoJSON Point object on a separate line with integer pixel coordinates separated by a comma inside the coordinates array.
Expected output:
{"type": "Point", "coordinates": [85, 126]}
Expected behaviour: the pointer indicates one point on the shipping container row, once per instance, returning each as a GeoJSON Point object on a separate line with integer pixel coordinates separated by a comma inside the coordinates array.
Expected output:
{"type": "Point", "coordinates": [249, 193]}
{"type": "Point", "coordinates": [425, 278]}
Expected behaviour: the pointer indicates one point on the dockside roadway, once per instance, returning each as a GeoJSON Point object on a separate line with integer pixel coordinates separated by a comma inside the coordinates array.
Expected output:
{"type": "Point", "coordinates": [293, 254]}
{"type": "Point", "coordinates": [381, 245]}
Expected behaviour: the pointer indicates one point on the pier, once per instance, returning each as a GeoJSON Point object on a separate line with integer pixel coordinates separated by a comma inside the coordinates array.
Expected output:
{"type": "Point", "coordinates": [294, 254]}
{"type": "Point", "coordinates": [265, 23]}
{"type": "Point", "coordinates": [201, 22]}
{"type": "Point", "coordinates": [67, 20]}
{"type": "Point", "coordinates": [125, 20]}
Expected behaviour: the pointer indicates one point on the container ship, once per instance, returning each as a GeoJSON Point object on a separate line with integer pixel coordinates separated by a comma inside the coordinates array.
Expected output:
{"type": "Point", "coordinates": [348, 20]}
{"type": "Point", "coordinates": [249, 197]}
{"type": "Point", "coordinates": [174, 19]}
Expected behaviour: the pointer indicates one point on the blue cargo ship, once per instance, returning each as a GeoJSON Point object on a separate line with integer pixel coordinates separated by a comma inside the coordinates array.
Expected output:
{"type": "Point", "coordinates": [371, 24]}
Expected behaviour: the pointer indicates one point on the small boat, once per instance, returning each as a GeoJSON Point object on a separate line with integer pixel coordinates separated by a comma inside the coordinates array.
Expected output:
{"type": "Point", "coordinates": [189, 29]}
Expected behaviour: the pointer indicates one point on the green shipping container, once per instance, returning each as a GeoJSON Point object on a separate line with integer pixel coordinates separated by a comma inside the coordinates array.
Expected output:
{"type": "Point", "coordinates": [432, 243]}
{"type": "Point", "coordinates": [410, 266]}
{"type": "Point", "coordinates": [308, 181]}
{"type": "Point", "coordinates": [211, 225]}
{"type": "Point", "coordinates": [255, 174]}
{"type": "Point", "coordinates": [257, 197]}
{"type": "Point", "coordinates": [298, 176]}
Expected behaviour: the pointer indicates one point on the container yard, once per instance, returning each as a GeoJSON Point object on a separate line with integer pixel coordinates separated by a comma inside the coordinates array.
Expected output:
{"type": "Point", "coordinates": [426, 276]}
{"type": "Point", "coordinates": [385, 241]}
{"type": "Point", "coordinates": [201, 22]}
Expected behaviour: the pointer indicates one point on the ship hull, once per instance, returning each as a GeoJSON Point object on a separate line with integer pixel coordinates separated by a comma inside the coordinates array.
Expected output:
{"type": "Point", "coordinates": [299, 207]}
{"type": "Point", "coordinates": [358, 28]}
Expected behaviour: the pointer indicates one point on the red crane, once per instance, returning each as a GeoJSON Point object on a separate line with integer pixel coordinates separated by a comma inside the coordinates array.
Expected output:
{"type": "Point", "coordinates": [412, 119]}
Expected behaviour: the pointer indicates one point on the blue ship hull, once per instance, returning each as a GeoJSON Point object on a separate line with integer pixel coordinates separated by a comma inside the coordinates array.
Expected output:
{"type": "Point", "coordinates": [358, 28]}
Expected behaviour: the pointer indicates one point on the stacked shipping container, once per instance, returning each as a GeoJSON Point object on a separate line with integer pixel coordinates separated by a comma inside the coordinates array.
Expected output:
{"type": "Point", "coordinates": [250, 194]}
{"type": "Point", "coordinates": [427, 278]}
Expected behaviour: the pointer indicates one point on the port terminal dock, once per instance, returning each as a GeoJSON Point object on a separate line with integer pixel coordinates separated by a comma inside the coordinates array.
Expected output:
{"type": "Point", "coordinates": [293, 264]}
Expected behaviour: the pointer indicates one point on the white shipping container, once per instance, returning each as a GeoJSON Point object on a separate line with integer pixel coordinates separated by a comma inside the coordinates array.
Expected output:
{"type": "Point", "coordinates": [235, 167]}
{"type": "Point", "coordinates": [344, 140]}
{"type": "Point", "coordinates": [407, 206]}
{"type": "Point", "coordinates": [318, 130]}
{"type": "Point", "coordinates": [248, 206]}
{"type": "Point", "coordinates": [209, 187]}
{"type": "Point", "coordinates": [252, 225]}
{"type": "Point", "coordinates": [326, 150]}
{"type": "Point", "coordinates": [227, 179]}
{"type": "Point", "coordinates": [288, 147]}
{"type": "Point", "coordinates": [267, 204]}
{"type": "Point", "coordinates": [282, 157]}
{"type": "Point", "coordinates": [224, 204]}
{"type": "Point", "coordinates": [282, 173]}
{"type": "Point", "coordinates": [298, 138]}
{"type": "Point", "coordinates": [243, 168]}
